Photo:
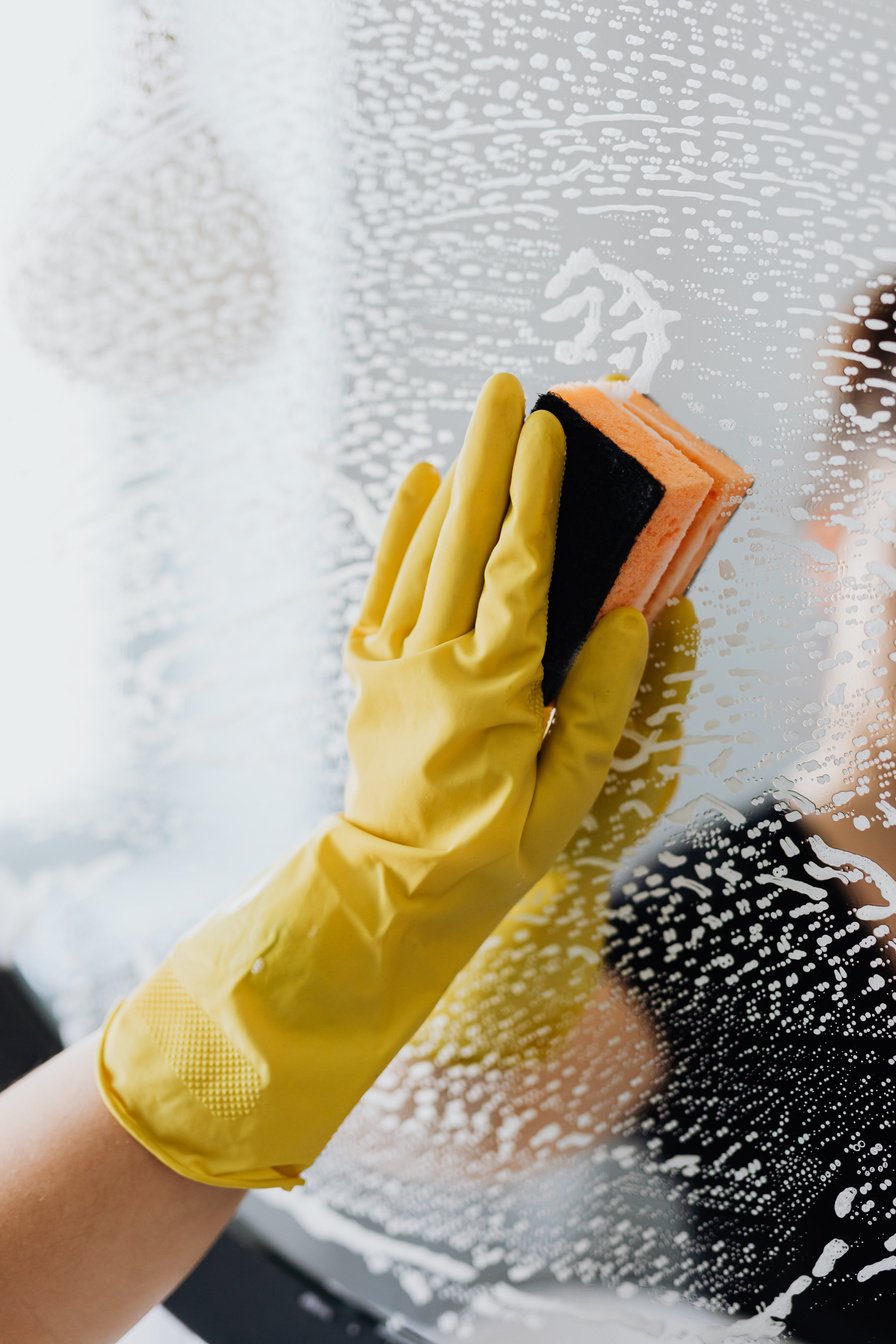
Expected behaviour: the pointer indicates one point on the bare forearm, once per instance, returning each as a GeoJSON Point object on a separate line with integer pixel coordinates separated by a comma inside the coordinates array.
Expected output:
{"type": "Point", "coordinates": [94, 1230]}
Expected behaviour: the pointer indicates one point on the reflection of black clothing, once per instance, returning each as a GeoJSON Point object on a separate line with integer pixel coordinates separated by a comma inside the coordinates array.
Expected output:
{"type": "Point", "coordinates": [778, 1009]}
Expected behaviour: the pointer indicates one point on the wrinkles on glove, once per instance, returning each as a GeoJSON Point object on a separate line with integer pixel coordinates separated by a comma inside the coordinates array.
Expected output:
{"type": "Point", "coordinates": [241, 1056]}
{"type": "Point", "coordinates": [528, 985]}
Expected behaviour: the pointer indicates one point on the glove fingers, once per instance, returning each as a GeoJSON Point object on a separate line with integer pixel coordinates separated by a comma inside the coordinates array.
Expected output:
{"type": "Point", "coordinates": [592, 707]}
{"type": "Point", "coordinates": [406, 596]}
{"type": "Point", "coordinates": [643, 777]}
{"type": "Point", "coordinates": [654, 727]}
{"type": "Point", "coordinates": [408, 507]}
{"type": "Point", "coordinates": [476, 512]}
{"type": "Point", "coordinates": [511, 622]}
{"type": "Point", "coordinates": [674, 637]}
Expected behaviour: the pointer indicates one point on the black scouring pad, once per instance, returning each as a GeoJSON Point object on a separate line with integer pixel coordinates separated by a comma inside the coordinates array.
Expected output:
{"type": "Point", "coordinates": [606, 499]}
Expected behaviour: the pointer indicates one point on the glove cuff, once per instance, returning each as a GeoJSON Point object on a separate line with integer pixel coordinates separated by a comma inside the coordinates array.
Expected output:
{"type": "Point", "coordinates": [239, 1057]}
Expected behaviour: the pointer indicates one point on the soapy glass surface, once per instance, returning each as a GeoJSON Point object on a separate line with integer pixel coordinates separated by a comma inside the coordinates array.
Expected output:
{"type": "Point", "coordinates": [257, 267]}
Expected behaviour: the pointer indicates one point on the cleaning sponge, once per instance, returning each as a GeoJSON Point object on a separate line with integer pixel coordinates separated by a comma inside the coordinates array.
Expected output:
{"type": "Point", "coordinates": [730, 484]}
{"type": "Point", "coordinates": [606, 500]}
{"type": "Point", "coordinates": [642, 502]}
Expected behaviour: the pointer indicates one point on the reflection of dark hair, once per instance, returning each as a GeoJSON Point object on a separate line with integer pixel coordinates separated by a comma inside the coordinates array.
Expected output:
{"type": "Point", "coordinates": [862, 336]}
{"type": "Point", "coordinates": [874, 339]}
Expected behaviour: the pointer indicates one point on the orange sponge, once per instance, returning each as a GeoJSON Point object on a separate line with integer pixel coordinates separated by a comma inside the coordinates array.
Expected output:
{"type": "Point", "coordinates": [643, 500]}
{"type": "Point", "coordinates": [685, 488]}
{"type": "Point", "coordinates": [730, 484]}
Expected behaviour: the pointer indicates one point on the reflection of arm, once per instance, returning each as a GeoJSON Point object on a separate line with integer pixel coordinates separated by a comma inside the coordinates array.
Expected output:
{"type": "Point", "coordinates": [604, 1072]}
{"type": "Point", "coordinates": [434, 1122]}
{"type": "Point", "coordinates": [94, 1230]}
{"type": "Point", "coordinates": [536, 1028]}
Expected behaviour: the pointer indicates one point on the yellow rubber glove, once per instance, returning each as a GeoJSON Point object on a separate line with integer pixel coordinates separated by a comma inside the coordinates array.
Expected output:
{"type": "Point", "coordinates": [238, 1058]}
{"type": "Point", "coordinates": [529, 983]}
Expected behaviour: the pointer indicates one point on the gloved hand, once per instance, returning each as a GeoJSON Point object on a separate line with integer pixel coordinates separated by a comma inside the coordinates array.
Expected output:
{"type": "Point", "coordinates": [238, 1058]}
{"type": "Point", "coordinates": [516, 1001]}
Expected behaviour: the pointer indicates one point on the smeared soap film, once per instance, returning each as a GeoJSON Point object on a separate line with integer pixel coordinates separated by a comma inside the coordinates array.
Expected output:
{"type": "Point", "coordinates": [260, 268]}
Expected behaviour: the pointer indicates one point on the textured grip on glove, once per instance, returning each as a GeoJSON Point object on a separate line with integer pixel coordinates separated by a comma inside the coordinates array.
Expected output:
{"type": "Point", "coordinates": [216, 1072]}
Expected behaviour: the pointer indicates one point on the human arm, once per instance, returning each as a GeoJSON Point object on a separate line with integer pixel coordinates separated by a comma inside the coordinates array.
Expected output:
{"type": "Point", "coordinates": [237, 1059]}
{"type": "Point", "coordinates": [94, 1230]}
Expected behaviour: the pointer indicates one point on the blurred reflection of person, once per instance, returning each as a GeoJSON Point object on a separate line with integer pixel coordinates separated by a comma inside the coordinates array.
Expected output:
{"type": "Point", "coordinates": [741, 1027]}
{"type": "Point", "coordinates": [774, 993]}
